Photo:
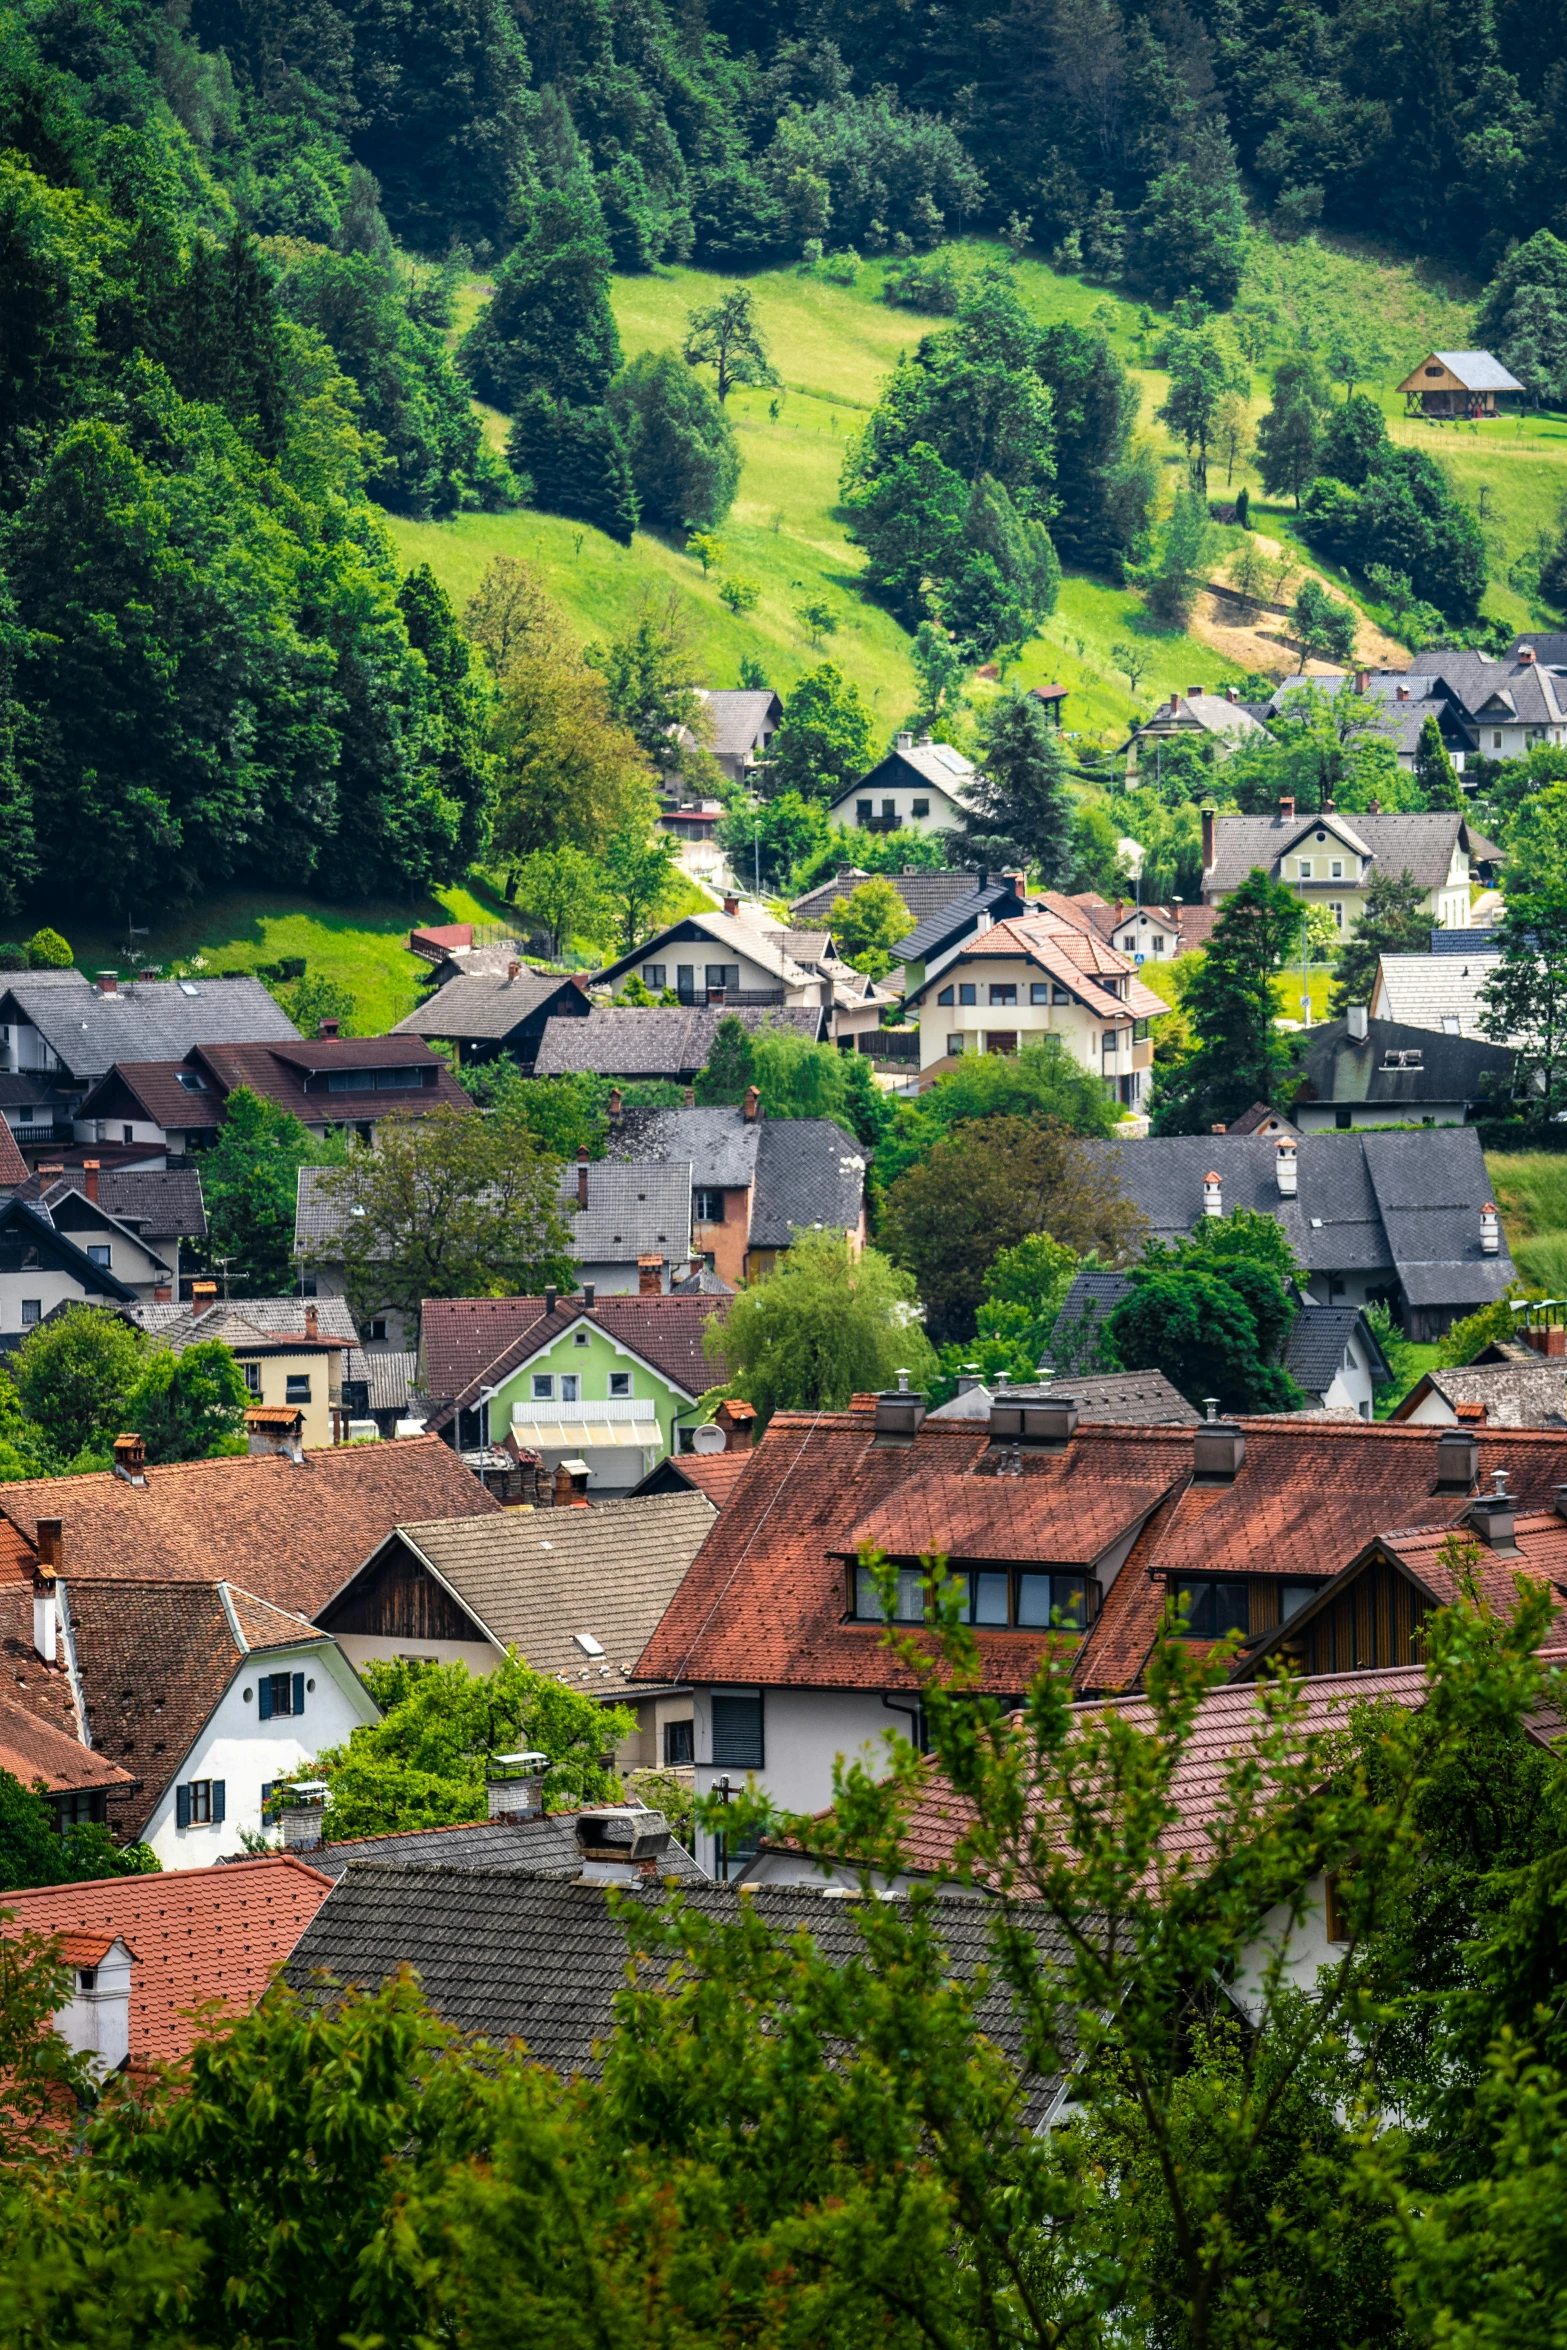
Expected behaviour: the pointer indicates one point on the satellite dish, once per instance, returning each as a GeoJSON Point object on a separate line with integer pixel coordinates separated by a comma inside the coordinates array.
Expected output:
{"type": "Point", "coordinates": [708, 1439]}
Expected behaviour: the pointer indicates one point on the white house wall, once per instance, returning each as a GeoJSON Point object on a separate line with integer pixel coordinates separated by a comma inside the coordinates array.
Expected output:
{"type": "Point", "coordinates": [246, 1753]}
{"type": "Point", "coordinates": [803, 1733]}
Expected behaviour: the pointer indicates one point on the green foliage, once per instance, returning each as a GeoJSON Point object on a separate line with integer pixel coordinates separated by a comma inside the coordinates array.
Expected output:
{"type": "Point", "coordinates": [314, 999]}
{"type": "Point", "coordinates": [1434, 770]}
{"type": "Point", "coordinates": [1020, 803]}
{"type": "Point", "coordinates": [1041, 1081]}
{"type": "Point", "coordinates": [48, 951]}
{"type": "Point", "coordinates": [1239, 1056]}
{"type": "Point", "coordinates": [1174, 576]}
{"type": "Point", "coordinates": [250, 1183]}
{"type": "Point", "coordinates": [1524, 1001]}
{"type": "Point", "coordinates": [684, 458]}
{"type": "Point", "coordinates": [1289, 435]}
{"type": "Point", "coordinates": [563, 1114]}
{"type": "Point", "coordinates": [548, 327]}
{"type": "Point", "coordinates": [1024, 1289]}
{"type": "Point", "coordinates": [1325, 748]}
{"type": "Point", "coordinates": [1397, 512]}
{"type": "Point", "coordinates": [1523, 318]}
{"type": "Point", "coordinates": [1103, 486]}
{"type": "Point", "coordinates": [190, 1405]}
{"type": "Point", "coordinates": [1324, 627]}
{"type": "Point", "coordinates": [564, 889]}
{"type": "Point", "coordinates": [641, 879]}
{"type": "Point", "coordinates": [739, 596]}
{"type": "Point", "coordinates": [867, 924]}
{"type": "Point", "coordinates": [1190, 231]}
{"type": "Point", "coordinates": [1213, 1312]}
{"type": "Point", "coordinates": [1489, 1325]}
{"type": "Point", "coordinates": [987, 1186]}
{"type": "Point", "coordinates": [1202, 372]}
{"type": "Point", "coordinates": [731, 1065]}
{"type": "Point", "coordinates": [422, 1764]}
{"type": "Point", "coordinates": [829, 1323]}
{"type": "Point", "coordinates": [74, 1376]}
{"type": "Point", "coordinates": [782, 836]}
{"type": "Point", "coordinates": [34, 1850]}
{"type": "Point", "coordinates": [727, 336]}
{"type": "Point", "coordinates": [651, 673]}
{"type": "Point", "coordinates": [1396, 921]}
{"type": "Point", "coordinates": [824, 741]}
{"type": "Point", "coordinates": [576, 463]}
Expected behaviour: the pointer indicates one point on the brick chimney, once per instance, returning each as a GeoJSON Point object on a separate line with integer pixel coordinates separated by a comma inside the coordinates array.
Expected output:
{"type": "Point", "coordinates": [1403, 693]}
{"type": "Point", "coordinates": [50, 1531]}
{"type": "Point", "coordinates": [1232, 693]}
{"type": "Point", "coordinates": [650, 1276]}
{"type": "Point", "coordinates": [130, 1458]}
{"type": "Point", "coordinates": [690, 1097]}
{"type": "Point", "coordinates": [1287, 807]}
{"type": "Point", "coordinates": [1526, 654]}
{"type": "Point", "coordinates": [750, 1108]}
{"type": "Point", "coordinates": [1362, 681]}
{"type": "Point", "coordinates": [312, 1324]}
{"type": "Point", "coordinates": [46, 1618]}
{"type": "Point", "coordinates": [108, 982]}
{"type": "Point", "coordinates": [582, 1174]}
{"type": "Point", "coordinates": [513, 971]}
{"type": "Point", "coordinates": [329, 1028]}
{"type": "Point", "coordinates": [1549, 1338]}
{"type": "Point", "coordinates": [202, 1295]}
{"type": "Point", "coordinates": [90, 1169]}
{"type": "Point", "coordinates": [731, 904]}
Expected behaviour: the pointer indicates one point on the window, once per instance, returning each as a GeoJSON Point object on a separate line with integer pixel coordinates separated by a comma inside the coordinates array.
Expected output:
{"type": "Point", "coordinates": [1449, 1023]}
{"type": "Point", "coordinates": [1158, 942]}
{"type": "Point", "coordinates": [1139, 1032]}
{"type": "Point", "coordinates": [679, 1743]}
{"type": "Point", "coordinates": [889, 811]}
{"type": "Point", "coordinates": [1109, 1043]}
{"type": "Point", "coordinates": [32, 1311]}
{"type": "Point", "coordinates": [280, 1693]}
{"type": "Point", "coordinates": [80, 1808]}
{"type": "Point", "coordinates": [1496, 740]}
{"type": "Point", "coordinates": [98, 1252]}
{"type": "Point", "coordinates": [1343, 1120]}
{"type": "Point", "coordinates": [1060, 994]}
{"type": "Point", "coordinates": [1303, 868]}
{"type": "Point", "coordinates": [724, 975]}
{"type": "Point", "coordinates": [1336, 909]}
{"type": "Point", "coordinates": [580, 1339]}
{"type": "Point", "coordinates": [543, 1387]}
{"type": "Point", "coordinates": [570, 1387]}
{"type": "Point", "coordinates": [1436, 371]}
{"type": "Point", "coordinates": [653, 975]}
{"type": "Point", "coordinates": [200, 1803]}
{"type": "Point", "coordinates": [374, 1080]}
{"type": "Point", "coordinates": [1038, 1602]}
{"type": "Point", "coordinates": [127, 1133]}
{"type": "Point", "coordinates": [1336, 869]}
{"type": "Point", "coordinates": [620, 1383]}
{"type": "Point", "coordinates": [737, 1730]}
{"type": "Point", "coordinates": [1214, 1608]}
{"type": "Point", "coordinates": [707, 1207]}
{"type": "Point", "coordinates": [1003, 991]}
{"type": "Point", "coordinates": [685, 979]}
{"type": "Point", "coordinates": [252, 1373]}
{"type": "Point", "coordinates": [1293, 1596]}
{"type": "Point", "coordinates": [968, 994]}
{"type": "Point", "coordinates": [377, 1330]}
{"type": "Point", "coordinates": [192, 1081]}
{"type": "Point", "coordinates": [945, 996]}
{"type": "Point", "coordinates": [911, 1596]}
{"type": "Point", "coordinates": [297, 1387]}
{"type": "Point", "coordinates": [864, 810]}
{"type": "Point", "coordinates": [919, 808]}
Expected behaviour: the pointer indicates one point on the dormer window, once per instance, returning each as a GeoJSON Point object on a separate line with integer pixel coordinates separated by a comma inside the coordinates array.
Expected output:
{"type": "Point", "coordinates": [192, 1081]}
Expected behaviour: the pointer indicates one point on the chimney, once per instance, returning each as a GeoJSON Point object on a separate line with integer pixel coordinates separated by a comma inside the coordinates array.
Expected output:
{"type": "Point", "coordinates": [1403, 693]}
{"type": "Point", "coordinates": [905, 742]}
{"type": "Point", "coordinates": [328, 1028]}
{"type": "Point", "coordinates": [1218, 1130]}
{"type": "Point", "coordinates": [1362, 681]}
{"type": "Point", "coordinates": [1495, 1516]}
{"type": "Point", "coordinates": [1209, 837]}
{"type": "Point", "coordinates": [751, 1105]}
{"type": "Point", "coordinates": [614, 1103]}
{"type": "Point", "coordinates": [650, 1276]}
{"type": "Point", "coordinates": [1036, 1416]}
{"type": "Point", "coordinates": [718, 995]}
{"type": "Point", "coordinates": [571, 1485]}
{"type": "Point", "coordinates": [731, 904]}
{"type": "Point", "coordinates": [1287, 1160]}
{"type": "Point", "coordinates": [202, 1295]}
{"type": "Point", "coordinates": [1232, 693]}
{"type": "Point", "coordinates": [969, 1379]}
{"type": "Point", "coordinates": [513, 971]}
{"type": "Point", "coordinates": [130, 1458]}
{"type": "Point", "coordinates": [1546, 1338]}
{"type": "Point", "coordinates": [1357, 1021]}
{"type": "Point", "coordinates": [1287, 807]}
{"type": "Point", "coordinates": [312, 1324]}
{"type": "Point", "coordinates": [163, 1294]}
{"type": "Point", "coordinates": [1212, 1194]}
{"type": "Point", "coordinates": [1457, 1460]}
{"type": "Point", "coordinates": [582, 1174]}
{"type": "Point", "coordinates": [898, 1414]}
{"type": "Point", "coordinates": [690, 1097]}
{"type": "Point", "coordinates": [304, 1814]}
{"type": "Point", "coordinates": [1560, 1494]}
{"type": "Point", "coordinates": [514, 1785]}
{"type": "Point", "coordinates": [90, 1169]}
{"type": "Point", "coordinates": [150, 973]}
{"type": "Point", "coordinates": [589, 1293]}
{"type": "Point", "coordinates": [550, 1296]}
{"type": "Point", "coordinates": [1218, 1449]}
{"type": "Point", "coordinates": [48, 1544]}
{"type": "Point", "coordinates": [621, 1846]}
{"type": "Point", "coordinates": [1194, 689]}
{"type": "Point", "coordinates": [46, 1617]}
{"type": "Point", "coordinates": [1526, 654]}
{"type": "Point", "coordinates": [1490, 1229]}
{"type": "Point", "coordinates": [108, 982]}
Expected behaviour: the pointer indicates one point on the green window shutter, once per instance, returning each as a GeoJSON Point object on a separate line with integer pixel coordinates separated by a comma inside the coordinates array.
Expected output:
{"type": "Point", "coordinates": [182, 1805]}
{"type": "Point", "coordinates": [219, 1791]}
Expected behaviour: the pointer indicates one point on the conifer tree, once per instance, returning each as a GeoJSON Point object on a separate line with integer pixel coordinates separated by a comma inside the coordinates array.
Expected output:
{"type": "Point", "coordinates": [1434, 770]}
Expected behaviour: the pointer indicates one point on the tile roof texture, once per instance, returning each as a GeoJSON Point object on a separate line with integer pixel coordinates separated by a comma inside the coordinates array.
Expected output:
{"type": "Point", "coordinates": [164, 1203]}
{"type": "Point", "coordinates": [721, 1143]}
{"type": "Point", "coordinates": [278, 1074]}
{"type": "Point", "coordinates": [13, 1167]}
{"type": "Point", "coordinates": [543, 1845]}
{"type": "Point", "coordinates": [1314, 1350]}
{"type": "Point", "coordinates": [32, 1748]}
{"type": "Point", "coordinates": [540, 1958]}
{"type": "Point", "coordinates": [535, 1579]}
{"type": "Point", "coordinates": [389, 1375]}
{"type": "Point", "coordinates": [484, 1005]}
{"type": "Point", "coordinates": [1422, 991]}
{"type": "Point", "coordinates": [714, 1473]}
{"type": "Point", "coordinates": [174, 1325]}
{"type": "Point", "coordinates": [635, 1209]}
{"type": "Point", "coordinates": [670, 1041]}
{"type": "Point", "coordinates": [148, 1020]}
{"type": "Point", "coordinates": [470, 1343]}
{"type": "Point", "coordinates": [738, 720]}
{"type": "Point", "coordinates": [164, 1093]}
{"type": "Point", "coordinates": [1069, 1518]}
{"type": "Point", "coordinates": [1421, 844]}
{"type": "Point", "coordinates": [922, 893]}
{"type": "Point", "coordinates": [991, 894]}
{"type": "Point", "coordinates": [152, 1661]}
{"type": "Point", "coordinates": [1341, 1068]}
{"type": "Point", "coordinates": [199, 1935]}
{"type": "Point", "coordinates": [1531, 1394]}
{"type": "Point", "coordinates": [289, 1531]}
{"type": "Point", "coordinates": [808, 1172]}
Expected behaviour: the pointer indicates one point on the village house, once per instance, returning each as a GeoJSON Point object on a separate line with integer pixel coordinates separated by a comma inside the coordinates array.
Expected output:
{"type": "Point", "coordinates": [1149, 934]}
{"type": "Point", "coordinates": [331, 1084]}
{"type": "Point", "coordinates": [83, 1256]}
{"type": "Point", "coordinates": [1330, 858]}
{"type": "Point", "coordinates": [638, 1047]}
{"type": "Point", "coordinates": [290, 1351]}
{"type": "Point", "coordinates": [1363, 1072]}
{"type": "Point", "coordinates": [755, 1181]}
{"type": "Point", "coordinates": [923, 893]}
{"type": "Point", "coordinates": [1405, 699]}
{"type": "Point", "coordinates": [1026, 977]}
{"type": "Point", "coordinates": [1456, 383]}
{"type": "Point", "coordinates": [739, 727]}
{"type": "Point", "coordinates": [1519, 1382]}
{"type": "Point", "coordinates": [162, 1206]}
{"type": "Point", "coordinates": [920, 786]}
{"type": "Point", "coordinates": [578, 1592]}
{"type": "Point", "coordinates": [1221, 719]}
{"type": "Point", "coordinates": [487, 1014]}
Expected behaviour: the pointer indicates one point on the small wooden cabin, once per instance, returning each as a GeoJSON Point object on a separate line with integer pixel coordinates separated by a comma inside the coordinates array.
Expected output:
{"type": "Point", "coordinates": [1456, 383]}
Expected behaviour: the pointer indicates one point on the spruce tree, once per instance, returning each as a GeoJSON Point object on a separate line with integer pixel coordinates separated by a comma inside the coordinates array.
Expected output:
{"type": "Point", "coordinates": [731, 1066]}
{"type": "Point", "coordinates": [1434, 770]}
{"type": "Point", "coordinates": [576, 463]}
{"type": "Point", "coordinates": [548, 326]}
{"type": "Point", "coordinates": [1022, 801]}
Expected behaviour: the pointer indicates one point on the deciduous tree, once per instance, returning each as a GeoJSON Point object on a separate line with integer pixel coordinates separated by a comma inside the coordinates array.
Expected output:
{"type": "Point", "coordinates": [1395, 920]}
{"type": "Point", "coordinates": [727, 336]}
{"type": "Point", "coordinates": [828, 1323]}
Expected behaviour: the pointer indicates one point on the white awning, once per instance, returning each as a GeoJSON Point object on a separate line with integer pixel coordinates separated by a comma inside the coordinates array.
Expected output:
{"type": "Point", "coordinates": [587, 1436]}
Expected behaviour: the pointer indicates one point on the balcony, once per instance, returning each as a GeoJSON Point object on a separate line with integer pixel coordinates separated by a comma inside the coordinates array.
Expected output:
{"type": "Point", "coordinates": [746, 998]}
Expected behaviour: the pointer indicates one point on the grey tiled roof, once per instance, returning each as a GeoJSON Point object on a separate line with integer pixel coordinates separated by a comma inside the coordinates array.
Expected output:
{"type": "Point", "coordinates": [721, 1143]}
{"type": "Point", "coordinates": [1420, 844]}
{"type": "Point", "coordinates": [1515, 1395]}
{"type": "Point", "coordinates": [808, 1171]}
{"type": "Point", "coordinates": [1314, 1349]}
{"type": "Point", "coordinates": [922, 893]}
{"type": "Point", "coordinates": [952, 919]}
{"type": "Point", "coordinates": [536, 1579]}
{"type": "Point", "coordinates": [149, 1020]}
{"type": "Point", "coordinates": [540, 1959]}
{"type": "Point", "coordinates": [738, 719]}
{"type": "Point", "coordinates": [634, 1210]}
{"type": "Point", "coordinates": [483, 1004]}
{"type": "Point", "coordinates": [538, 1846]}
{"type": "Point", "coordinates": [164, 1203]}
{"type": "Point", "coordinates": [1421, 991]}
{"type": "Point", "coordinates": [1144, 1399]}
{"type": "Point", "coordinates": [174, 1324]}
{"type": "Point", "coordinates": [1464, 942]}
{"type": "Point", "coordinates": [666, 1042]}
{"type": "Point", "coordinates": [1338, 1068]}
{"type": "Point", "coordinates": [316, 1218]}
{"type": "Point", "coordinates": [388, 1375]}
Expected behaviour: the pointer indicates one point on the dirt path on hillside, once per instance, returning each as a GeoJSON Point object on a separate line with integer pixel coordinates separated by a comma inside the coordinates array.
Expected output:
{"type": "Point", "coordinates": [1263, 640]}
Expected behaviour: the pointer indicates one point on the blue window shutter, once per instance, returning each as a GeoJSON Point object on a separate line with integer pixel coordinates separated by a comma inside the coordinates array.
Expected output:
{"type": "Point", "coordinates": [264, 1698]}
{"type": "Point", "coordinates": [219, 1790]}
{"type": "Point", "coordinates": [299, 1693]}
{"type": "Point", "coordinates": [182, 1805]}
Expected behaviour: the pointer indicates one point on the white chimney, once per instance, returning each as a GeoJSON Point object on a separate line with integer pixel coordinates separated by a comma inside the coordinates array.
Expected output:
{"type": "Point", "coordinates": [514, 1784]}
{"type": "Point", "coordinates": [1212, 1195]}
{"type": "Point", "coordinates": [46, 1620]}
{"type": "Point", "coordinates": [1289, 1170]}
{"type": "Point", "coordinates": [1356, 1019]}
{"type": "Point", "coordinates": [1490, 1229]}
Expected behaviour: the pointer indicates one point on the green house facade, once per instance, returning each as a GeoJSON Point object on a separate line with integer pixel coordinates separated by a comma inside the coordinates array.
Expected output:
{"type": "Point", "coordinates": [585, 1394]}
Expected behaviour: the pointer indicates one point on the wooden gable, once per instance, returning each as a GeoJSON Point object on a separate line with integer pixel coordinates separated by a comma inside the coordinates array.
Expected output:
{"type": "Point", "coordinates": [1372, 1616]}
{"type": "Point", "coordinates": [395, 1595]}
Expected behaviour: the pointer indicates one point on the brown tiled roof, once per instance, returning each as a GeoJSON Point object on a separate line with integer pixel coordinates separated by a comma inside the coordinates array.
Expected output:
{"type": "Point", "coordinates": [1070, 1517]}
{"type": "Point", "coordinates": [13, 1167]}
{"type": "Point", "coordinates": [714, 1473]}
{"type": "Point", "coordinates": [156, 1086]}
{"type": "Point", "coordinates": [289, 1531]}
{"type": "Point", "coordinates": [152, 1661]}
{"type": "Point", "coordinates": [471, 1342]}
{"type": "Point", "coordinates": [277, 1072]}
{"type": "Point", "coordinates": [43, 1691]}
{"type": "Point", "coordinates": [198, 1935]}
{"type": "Point", "coordinates": [32, 1748]}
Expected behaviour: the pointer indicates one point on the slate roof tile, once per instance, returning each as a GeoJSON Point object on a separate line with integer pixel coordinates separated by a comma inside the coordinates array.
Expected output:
{"type": "Point", "coordinates": [484, 1004]}
{"type": "Point", "coordinates": [148, 1020]}
{"type": "Point", "coordinates": [547, 1844]}
{"type": "Point", "coordinates": [668, 1041]}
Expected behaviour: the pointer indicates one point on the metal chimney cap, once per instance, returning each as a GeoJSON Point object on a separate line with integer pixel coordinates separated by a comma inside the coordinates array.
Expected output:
{"type": "Point", "coordinates": [531, 1760]}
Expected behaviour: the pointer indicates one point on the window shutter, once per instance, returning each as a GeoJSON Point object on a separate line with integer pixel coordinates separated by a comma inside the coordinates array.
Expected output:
{"type": "Point", "coordinates": [182, 1805]}
{"type": "Point", "coordinates": [299, 1693]}
{"type": "Point", "coordinates": [264, 1698]}
{"type": "Point", "coordinates": [737, 1730]}
{"type": "Point", "coordinates": [219, 1790]}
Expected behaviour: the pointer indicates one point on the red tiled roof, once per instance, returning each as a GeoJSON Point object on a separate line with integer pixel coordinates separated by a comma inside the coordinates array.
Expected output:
{"type": "Point", "coordinates": [1070, 1514]}
{"type": "Point", "coordinates": [43, 1691]}
{"type": "Point", "coordinates": [469, 1343]}
{"type": "Point", "coordinates": [198, 1934]}
{"type": "Point", "coordinates": [33, 1748]}
{"type": "Point", "coordinates": [714, 1473]}
{"type": "Point", "coordinates": [13, 1167]}
{"type": "Point", "coordinates": [292, 1532]}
